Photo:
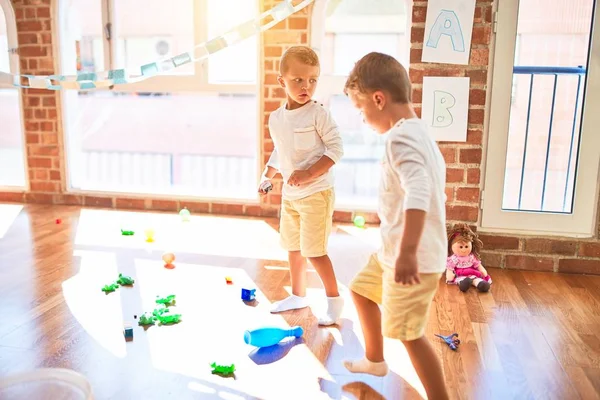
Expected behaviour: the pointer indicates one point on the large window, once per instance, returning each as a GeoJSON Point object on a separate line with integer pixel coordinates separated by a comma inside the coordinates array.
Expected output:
{"type": "Point", "coordinates": [192, 131]}
{"type": "Point", "coordinates": [543, 149]}
{"type": "Point", "coordinates": [342, 32]}
{"type": "Point", "coordinates": [12, 157]}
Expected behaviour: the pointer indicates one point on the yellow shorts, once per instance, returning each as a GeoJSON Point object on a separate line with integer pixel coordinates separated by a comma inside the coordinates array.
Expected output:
{"type": "Point", "coordinates": [405, 309]}
{"type": "Point", "coordinates": [306, 223]}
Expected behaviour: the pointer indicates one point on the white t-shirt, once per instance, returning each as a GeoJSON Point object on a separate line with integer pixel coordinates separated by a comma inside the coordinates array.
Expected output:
{"type": "Point", "coordinates": [413, 177]}
{"type": "Point", "coordinates": [301, 137]}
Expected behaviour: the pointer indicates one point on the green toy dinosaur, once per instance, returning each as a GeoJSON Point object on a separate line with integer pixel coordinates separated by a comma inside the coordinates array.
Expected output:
{"type": "Point", "coordinates": [125, 280]}
{"type": "Point", "coordinates": [126, 233]}
{"type": "Point", "coordinates": [110, 288]}
{"type": "Point", "coordinates": [223, 369]}
{"type": "Point", "coordinates": [147, 319]}
{"type": "Point", "coordinates": [167, 301]}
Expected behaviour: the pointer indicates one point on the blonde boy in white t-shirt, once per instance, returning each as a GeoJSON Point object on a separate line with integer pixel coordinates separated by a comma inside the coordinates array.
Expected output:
{"type": "Point", "coordinates": [307, 144]}
{"type": "Point", "coordinates": [403, 276]}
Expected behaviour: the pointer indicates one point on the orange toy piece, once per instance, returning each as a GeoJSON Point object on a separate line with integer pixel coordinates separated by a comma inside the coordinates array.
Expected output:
{"type": "Point", "coordinates": [228, 280]}
{"type": "Point", "coordinates": [168, 258]}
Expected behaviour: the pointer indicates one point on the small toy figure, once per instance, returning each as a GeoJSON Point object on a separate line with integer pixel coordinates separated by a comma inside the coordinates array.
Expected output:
{"type": "Point", "coordinates": [184, 214]}
{"type": "Point", "coordinates": [463, 265]}
{"type": "Point", "coordinates": [125, 280]}
{"type": "Point", "coordinates": [128, 331]}
{"type": "Point", "coordinates": [359, 221]}
{"type": "Point", "coordinates": [149, 235]}
{"type": "Point", "coordinates": [450, 340]}
{"type": "Point", "coordinates": [110, 288]}
{"type": "Point", "coordinates": [58, 220]}
{"type": "Point", "coordinates": [228, 280]}
{"type": "Point", "coordinates": [147, 319]}
{"type": "Point", "coordinates": [248, 294]}
{"type": "Point", "coordinates": [126, 233]}
{"type": "Point", "coordinates": [168, 258]}
{"type": "Point", "coordinates": [166, 301]}
{"type": "Point", "coordinates": [222, 369]}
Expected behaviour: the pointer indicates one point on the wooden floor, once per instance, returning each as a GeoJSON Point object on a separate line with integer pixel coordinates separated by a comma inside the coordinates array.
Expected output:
{"type": "Point", "coordinates": [534, 336]}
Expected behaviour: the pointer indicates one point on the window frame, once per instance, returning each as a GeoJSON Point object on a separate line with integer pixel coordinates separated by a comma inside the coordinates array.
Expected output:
{"type": "Point", "coordinates": [14, 68]}
{"type": "Point", "coordinates": [582, 221]}
{"type": "Point", "coordinates": [198, 82]}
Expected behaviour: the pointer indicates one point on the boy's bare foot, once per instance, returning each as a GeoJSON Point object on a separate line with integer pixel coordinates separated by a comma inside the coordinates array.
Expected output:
{"type": "Point", "coordinates": [365, 366]}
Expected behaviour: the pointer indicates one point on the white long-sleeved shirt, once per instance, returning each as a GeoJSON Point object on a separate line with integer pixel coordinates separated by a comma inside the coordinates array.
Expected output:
{"type": "Point", "coordinates": [301, 137]}
{"type": "Point", "coordinates": [413, 177]}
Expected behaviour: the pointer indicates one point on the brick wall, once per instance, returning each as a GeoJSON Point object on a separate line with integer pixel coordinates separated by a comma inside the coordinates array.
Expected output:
{"type": "Point", "coordinates": [45, 155]}
{"type": "Point", "coordinates": [464, 162]}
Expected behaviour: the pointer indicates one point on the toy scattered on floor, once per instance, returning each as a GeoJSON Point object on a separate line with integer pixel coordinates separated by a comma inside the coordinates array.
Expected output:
{"type": "Point", "coordinates": [228, 280]}
{"type": "Point", "coordinates": [58, 220]}
{"type": "Point", "coordinates": [184, 214]}
{"type": "Point", "coordinates": [125, 280]}
{"type": "Point", "coordinates": [128, 331]}
{"type": "Point", "coordinates": [149, 235]}
{"type": "Point", "coordinates": [168, 258]}
{"type": "Point", "coordinates": [164, 317]}
{"type": "Point", "coordinates": [110, 288]}
{"type": "Point", "coordinates": [463, 265]}
{"type": "Point", "coordinates": [269, 336]}
{"type": "Point", "coordinates": [359, 221]}
{"type": "Point", "coordinates": [450, 340]}
{"type": "Point", "coordinates": [166, 301]}
{"type": "Point", "coordinates": [222, 369]}
{"type": "Point", "coordinates": [147, 319]}
{"type": "Point", "coordinates": [127, 233]}
{"type": "Point", "coordinates": [248, 294]}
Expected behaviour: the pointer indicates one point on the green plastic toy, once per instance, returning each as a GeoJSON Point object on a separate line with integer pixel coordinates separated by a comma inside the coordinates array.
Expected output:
{"type": "Point", "coordinates": [223, 369]}
{"type": "Point", "coordinates": [167, 301]}
{"type": "Point", "coordinates": [127, 233]}
{"type": "Point", "coordinates": [125, 280]}
{"type": "Point", "coordinates": [184, 214]}
{"type": "Point", "coordinates": [147, 319]}
{"type": "Point", "coordinates": [359, 221]}
{"type": "Point", "coordinates": [170, 319]}
{"type": "Point", "coordinates": [110, 288]}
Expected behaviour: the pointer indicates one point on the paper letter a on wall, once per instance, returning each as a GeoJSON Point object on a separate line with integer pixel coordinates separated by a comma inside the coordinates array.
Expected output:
{"type": "Point", "coordinates": [447, 24]}
{"type": "Point", "coordinates": [442, 103]}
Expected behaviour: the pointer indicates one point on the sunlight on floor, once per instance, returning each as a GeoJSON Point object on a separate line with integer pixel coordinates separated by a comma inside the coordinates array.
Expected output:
{"type": "Point", "coordinates": [99, 314]}
{"type": "Point", "coordinates": [210, 235]}
{"type": "Point", "coordinates": [8, 214]}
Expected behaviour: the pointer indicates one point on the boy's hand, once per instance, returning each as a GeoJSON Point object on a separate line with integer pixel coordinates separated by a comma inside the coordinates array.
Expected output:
{"type": "Point", "coordinates": [299, 177]}
{"type": "Point", "coordinates": [265, 186]}
{"type": "Point", "coordinates": [407, 270]}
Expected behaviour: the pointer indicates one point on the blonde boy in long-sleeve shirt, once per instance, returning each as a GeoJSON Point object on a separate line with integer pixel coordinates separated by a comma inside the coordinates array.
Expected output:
{"type": "Point", "coordinates": [307, 144]}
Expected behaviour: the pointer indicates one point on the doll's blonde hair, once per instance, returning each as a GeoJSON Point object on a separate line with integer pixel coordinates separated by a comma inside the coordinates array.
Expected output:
{"type": "Point", "coordinates": [463, 233]}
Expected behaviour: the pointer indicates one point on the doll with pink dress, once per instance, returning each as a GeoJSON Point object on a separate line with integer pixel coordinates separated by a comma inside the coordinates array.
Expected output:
{"type": "Point", "coordinates": [463, 265]}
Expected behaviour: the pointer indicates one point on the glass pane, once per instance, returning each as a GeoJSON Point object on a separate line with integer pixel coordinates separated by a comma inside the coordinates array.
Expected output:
{"type": "Point", "coordinates": [184, 144]}
{"type": "Point", "coordinates": [149, 30]}
{"type": "Point", "coordinates": [224, 67]}
{"type": "Point", "coordinates": [12, 161]}
{"type": "Point", "coordinates": [551, 55]}
{"type": "Point", "coordinates": [353, 29]}
{"type": "Point", "coordinates": [82, 47]}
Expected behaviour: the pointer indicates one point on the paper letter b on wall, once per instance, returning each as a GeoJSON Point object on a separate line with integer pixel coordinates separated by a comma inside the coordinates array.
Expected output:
{"type": "Point", "coordinates": [442, 103]}
{"type": "Point", "coordinates": [445, 107]}
{"type": "Point", "coordinates": [448, 30]}
{"type": "Point", "coordinates": [447, 23]}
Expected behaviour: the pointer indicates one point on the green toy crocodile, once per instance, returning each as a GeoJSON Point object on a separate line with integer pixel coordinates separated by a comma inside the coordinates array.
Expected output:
{"type": "Point", "coordinates": [127, 233]}
{"type": "Point", "coordinates": [223, 369]}
{"type": "Point", "coordinates": [125, 280]}
{"type": "Point", "coordinates": [167, 301]}
{"type": "Point", "coordinates": [147, 319]}
{"type": "Point", "coordinates": [110, 288]}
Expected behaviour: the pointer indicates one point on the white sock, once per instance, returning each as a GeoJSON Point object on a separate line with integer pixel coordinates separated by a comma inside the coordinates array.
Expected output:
{"type": "Point", "coordinates": [335, 305]}
{"type": "Point", "coordinates": [289, 303]}
{"type": "Point", "coordinates": [365, 366]}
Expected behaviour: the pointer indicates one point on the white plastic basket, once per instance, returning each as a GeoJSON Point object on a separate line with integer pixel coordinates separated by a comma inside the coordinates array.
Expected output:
{"type": "Point", "coordinates": [46, 383]}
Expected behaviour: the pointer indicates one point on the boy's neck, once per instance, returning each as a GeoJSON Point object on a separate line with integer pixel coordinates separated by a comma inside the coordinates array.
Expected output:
{"type": "Point", "coordinates": [294, 105]}
{"type": "Point", "coordinates": [396, 112]}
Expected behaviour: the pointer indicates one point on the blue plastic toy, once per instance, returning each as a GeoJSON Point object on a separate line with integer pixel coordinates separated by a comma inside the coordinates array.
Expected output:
{"type": "Point", "coordinates": [127, 331]}
{"type": "Point", "coordinates": [450, 340]}
{"type": "Point", "coordinates": [270, 335]}
{"type": "Point", "coordinates": [248, 294]}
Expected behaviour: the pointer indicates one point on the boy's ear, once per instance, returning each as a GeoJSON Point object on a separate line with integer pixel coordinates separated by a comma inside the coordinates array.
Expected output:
{"type": "Point", "coordinates": [281, 81]}
{"type": "Point", "coordinates": [379, 99]}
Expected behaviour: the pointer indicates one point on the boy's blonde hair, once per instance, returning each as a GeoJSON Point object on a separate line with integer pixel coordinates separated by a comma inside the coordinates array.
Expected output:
{"type": "Point", "coordinates": [304, 54]}
{"type": "Point", "coordinates": [378, 71]}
